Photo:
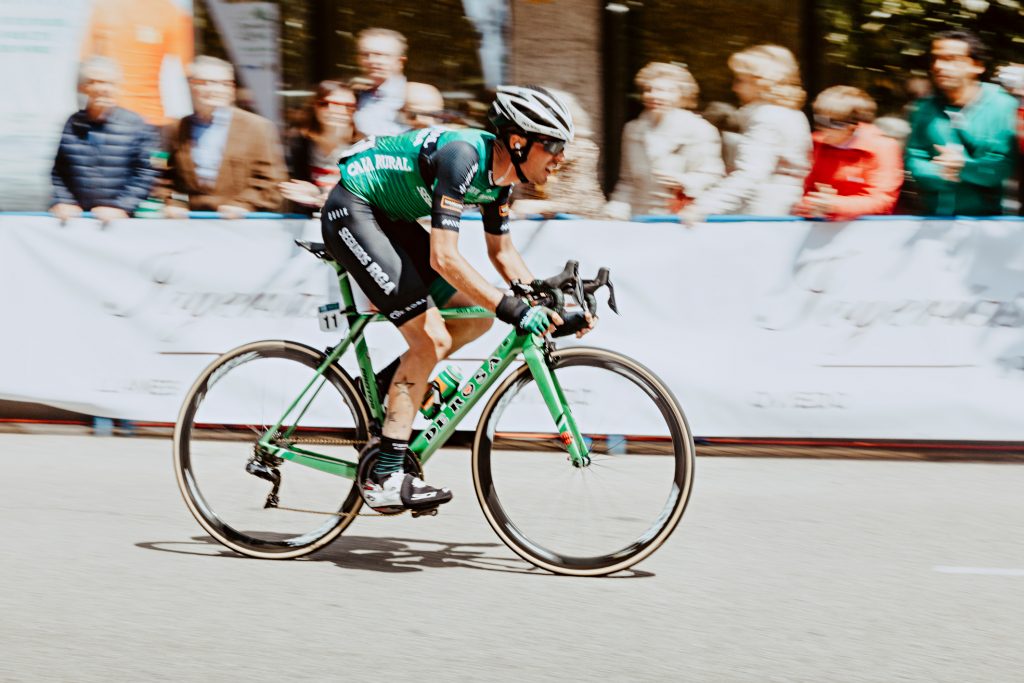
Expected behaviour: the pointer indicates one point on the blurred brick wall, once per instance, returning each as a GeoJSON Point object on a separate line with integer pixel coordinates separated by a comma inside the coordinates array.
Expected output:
{"type": "Point", "coordinates": [558, 43]}
{"type": "Point", "coordinates": [703, 33]}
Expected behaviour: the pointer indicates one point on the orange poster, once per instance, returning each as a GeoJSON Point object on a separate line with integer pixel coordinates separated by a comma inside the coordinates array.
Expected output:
{"type": "Point", "coordinates": [140, 35]}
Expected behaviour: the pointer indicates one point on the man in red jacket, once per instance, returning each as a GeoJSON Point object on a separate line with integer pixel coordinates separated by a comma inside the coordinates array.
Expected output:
{"type": "Point", "coordinates": [856, 169]}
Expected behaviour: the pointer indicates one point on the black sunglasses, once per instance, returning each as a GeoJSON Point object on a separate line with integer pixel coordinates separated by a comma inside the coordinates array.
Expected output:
{"type": "Point", "coordinates": [835, 124]}
{"type": "Point", "coordinates": [550, 145]}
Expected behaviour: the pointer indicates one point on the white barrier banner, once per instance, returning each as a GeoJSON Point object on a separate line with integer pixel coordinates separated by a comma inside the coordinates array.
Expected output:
{"type": "Point", "coordinates": [877, 329]}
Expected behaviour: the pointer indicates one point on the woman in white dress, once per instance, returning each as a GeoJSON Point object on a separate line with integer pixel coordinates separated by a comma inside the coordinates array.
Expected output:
{"type": "Point", "coordinates": [669, 154]}
{"type": "Point", "coordinates": [773, 151]}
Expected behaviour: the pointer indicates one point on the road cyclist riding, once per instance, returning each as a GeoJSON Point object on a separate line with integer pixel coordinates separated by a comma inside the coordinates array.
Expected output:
{"type": "Point", "coordinates": [370, 227]}
{"type": "Point", "coordinates": [602, 411]}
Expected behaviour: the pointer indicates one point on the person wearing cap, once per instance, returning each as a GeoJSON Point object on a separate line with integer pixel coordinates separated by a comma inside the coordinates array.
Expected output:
{"type": "Point", "coordinates": [370, 227]}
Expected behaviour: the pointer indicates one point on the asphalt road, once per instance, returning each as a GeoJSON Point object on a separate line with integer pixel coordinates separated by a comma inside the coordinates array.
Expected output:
{"type": "Point", "coordinates": [781, 570]}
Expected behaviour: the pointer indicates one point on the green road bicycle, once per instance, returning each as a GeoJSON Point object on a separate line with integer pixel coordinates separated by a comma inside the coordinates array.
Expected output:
{"type": "Point", "coordinates": [582, 459]}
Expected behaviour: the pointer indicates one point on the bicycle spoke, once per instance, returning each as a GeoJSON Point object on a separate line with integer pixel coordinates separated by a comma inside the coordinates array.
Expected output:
{"type": "Point", "coordinates": [227, 478]}
{"type": "Point", "coordinates": [615, 509]}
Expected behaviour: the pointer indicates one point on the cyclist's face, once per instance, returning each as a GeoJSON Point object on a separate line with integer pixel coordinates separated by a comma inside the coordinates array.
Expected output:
{"type": "Point", "coordinates": [380, 58]}
{"type": "Point", "coordinates": [540, 163]}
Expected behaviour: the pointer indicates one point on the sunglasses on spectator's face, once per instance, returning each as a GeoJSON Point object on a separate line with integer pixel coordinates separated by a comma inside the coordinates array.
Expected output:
{"type": "Point", "coordinates": [412, 114]}
{"type": "Point", "coordinates": [211, 81]}
{"type": "Point", "coordinates": [327, 104]}
{"type": "Point", "coordinates": [832, 124]}
{"type": "Point", "coordinates": [552, 146]}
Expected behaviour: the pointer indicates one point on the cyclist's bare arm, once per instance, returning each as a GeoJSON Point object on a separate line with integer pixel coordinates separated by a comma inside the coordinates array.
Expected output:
{"type": "Point", "coordinates": [453, 267]}
{"type": "Point", "coordinates": [456, 163]}
{"type": "Point", "coordinates": [506, 258]}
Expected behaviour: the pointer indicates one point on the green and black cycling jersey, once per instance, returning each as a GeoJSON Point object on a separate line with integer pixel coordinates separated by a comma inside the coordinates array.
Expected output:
{"type": "Point", "coordinates": [432, 172]}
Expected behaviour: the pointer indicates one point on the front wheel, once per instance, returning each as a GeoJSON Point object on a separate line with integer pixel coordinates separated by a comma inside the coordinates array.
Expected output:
{"type": "Point", "coordinates": [620, 506]}
{"type": "Point", "coordinates": [225, 476]}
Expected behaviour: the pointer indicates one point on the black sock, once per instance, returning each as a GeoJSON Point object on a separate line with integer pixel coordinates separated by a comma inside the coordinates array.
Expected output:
{"type": "Point", "coordinates": [391, 458]}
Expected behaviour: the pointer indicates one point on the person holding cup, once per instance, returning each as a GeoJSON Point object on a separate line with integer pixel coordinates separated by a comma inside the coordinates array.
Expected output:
{"type": "Point", "coordinates": [961, 145]}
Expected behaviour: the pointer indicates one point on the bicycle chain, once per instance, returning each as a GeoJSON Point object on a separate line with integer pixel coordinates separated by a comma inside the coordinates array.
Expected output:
{"type": "Point", "coordinates": [324, 441]}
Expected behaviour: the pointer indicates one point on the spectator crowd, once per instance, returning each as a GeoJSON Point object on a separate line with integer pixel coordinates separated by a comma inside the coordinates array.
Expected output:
{"type": "Point", "coordinates": [952, 152]}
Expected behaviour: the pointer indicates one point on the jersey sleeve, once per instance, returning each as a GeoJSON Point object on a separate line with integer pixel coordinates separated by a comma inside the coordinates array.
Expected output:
{"type": "Point", "coordinates": [457, 163]}
{"type": "Point", "coordinates": [495, 214]}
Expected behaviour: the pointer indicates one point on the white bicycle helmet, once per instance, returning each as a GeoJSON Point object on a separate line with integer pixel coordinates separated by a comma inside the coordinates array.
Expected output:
{"type": "Point", "coordinates": [532, 110]}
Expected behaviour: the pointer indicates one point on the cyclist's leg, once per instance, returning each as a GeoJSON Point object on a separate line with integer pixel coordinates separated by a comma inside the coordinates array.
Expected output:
{"type": "Point", "coordinates": [416, 244]}
{"type": "Point", "coordinates": [429, 342]}
{"type": "Point", "coordinates": [464, 331]}
{"type": "Point", "coordinates": [362, 239]}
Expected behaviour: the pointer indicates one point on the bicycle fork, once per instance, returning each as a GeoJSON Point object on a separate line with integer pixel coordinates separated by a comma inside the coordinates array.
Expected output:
{"type": "Point", "coordinates": [554, 398]}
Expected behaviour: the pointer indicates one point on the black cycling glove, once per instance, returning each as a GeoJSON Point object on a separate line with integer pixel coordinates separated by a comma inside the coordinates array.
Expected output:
{"type": "Point", "coordinates": [526, 319]}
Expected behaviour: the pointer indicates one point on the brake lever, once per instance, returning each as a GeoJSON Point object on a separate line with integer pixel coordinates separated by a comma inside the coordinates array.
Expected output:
{"type": "Point", "coordinates": [611, 298]}
{"type": "Point", "coordinates": [603, 278]}
{"type": "Point", "coordinates": [577, 289]}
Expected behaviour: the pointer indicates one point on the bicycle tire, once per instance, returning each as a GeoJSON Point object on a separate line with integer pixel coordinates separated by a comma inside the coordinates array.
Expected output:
{"type": "Point", "coordinates": [488, 456]}
{"type": "Point", "coordinates": [192, 436]}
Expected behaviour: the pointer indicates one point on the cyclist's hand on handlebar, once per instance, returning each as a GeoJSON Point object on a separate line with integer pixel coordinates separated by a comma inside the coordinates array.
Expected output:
{"type": "Point", "coordinates": [538, 320]}
{"type": "Point", "coordinates": [527, 319]}
{"type": "Point", "coordinates": [591, 323]}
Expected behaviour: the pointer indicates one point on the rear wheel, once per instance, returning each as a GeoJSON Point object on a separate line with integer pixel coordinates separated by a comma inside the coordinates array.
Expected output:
{"type": "Point", "coordinates": [612, 512]}
{"type": "Point", "coordinates": [225, 477]}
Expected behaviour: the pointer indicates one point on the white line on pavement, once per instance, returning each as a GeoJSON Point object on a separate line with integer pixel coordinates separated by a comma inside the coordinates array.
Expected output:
{"type": "Point", "coordinates": [988, 571]}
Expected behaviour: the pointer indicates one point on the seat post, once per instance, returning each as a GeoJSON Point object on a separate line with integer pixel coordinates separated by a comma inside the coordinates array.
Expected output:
{"type": "Point", "coordinates": [348, 302]}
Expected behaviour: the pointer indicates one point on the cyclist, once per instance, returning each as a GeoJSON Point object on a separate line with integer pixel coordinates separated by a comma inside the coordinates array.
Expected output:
{"type": "Point", "coordinates": [369, 226]}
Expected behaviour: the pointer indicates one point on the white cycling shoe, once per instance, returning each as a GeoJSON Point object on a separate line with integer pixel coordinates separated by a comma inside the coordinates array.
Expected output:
{"type": "Point", "coordinates": [400, 491]}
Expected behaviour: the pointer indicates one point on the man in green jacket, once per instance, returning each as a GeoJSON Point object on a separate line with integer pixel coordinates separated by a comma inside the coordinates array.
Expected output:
{"type": "Point", "coordinates": [963, 140]}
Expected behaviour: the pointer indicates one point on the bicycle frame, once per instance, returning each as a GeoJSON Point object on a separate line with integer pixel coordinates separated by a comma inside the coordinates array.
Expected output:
{"type": "Point", "coordinates": [532, 348]}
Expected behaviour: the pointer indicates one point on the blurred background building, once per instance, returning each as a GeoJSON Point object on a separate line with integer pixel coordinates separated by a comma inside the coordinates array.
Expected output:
{"type": "Point", "coordinates": [590, 48]}
{"type": "Point", "coordinates": [594, 48]}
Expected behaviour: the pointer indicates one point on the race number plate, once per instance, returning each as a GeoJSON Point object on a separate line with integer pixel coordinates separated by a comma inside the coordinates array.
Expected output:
{"type": "Point", "coordinates": [329, 316]}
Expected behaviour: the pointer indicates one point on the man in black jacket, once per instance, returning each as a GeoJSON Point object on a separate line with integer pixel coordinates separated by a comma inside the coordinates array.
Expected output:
{"type": "Point", "coordinates": [103, 161]}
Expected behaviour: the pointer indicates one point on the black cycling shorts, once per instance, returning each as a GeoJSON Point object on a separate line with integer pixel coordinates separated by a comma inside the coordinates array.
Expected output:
{"type": "Point", "coordinates": [389, 259]}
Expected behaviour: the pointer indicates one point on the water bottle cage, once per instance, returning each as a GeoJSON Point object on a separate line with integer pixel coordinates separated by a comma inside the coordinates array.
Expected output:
{"type": "Point", "coordinates": [437, 396]}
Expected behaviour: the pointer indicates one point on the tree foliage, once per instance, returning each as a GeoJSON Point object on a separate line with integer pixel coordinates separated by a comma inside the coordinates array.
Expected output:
{"type": "Point", "coordinates": [878, 44]}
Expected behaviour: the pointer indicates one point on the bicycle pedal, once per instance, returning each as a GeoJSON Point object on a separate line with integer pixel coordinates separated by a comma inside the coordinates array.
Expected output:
{"type": "Point", "coordinates": [430, 512]}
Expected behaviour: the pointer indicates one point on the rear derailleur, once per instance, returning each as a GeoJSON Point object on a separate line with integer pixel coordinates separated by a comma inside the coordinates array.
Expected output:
{"type": "Point", "coordinates": [264, 465]}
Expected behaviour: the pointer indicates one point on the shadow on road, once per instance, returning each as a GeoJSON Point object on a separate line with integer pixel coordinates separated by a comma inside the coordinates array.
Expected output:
{"type": "Point", "coordinates": [390, 555]}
